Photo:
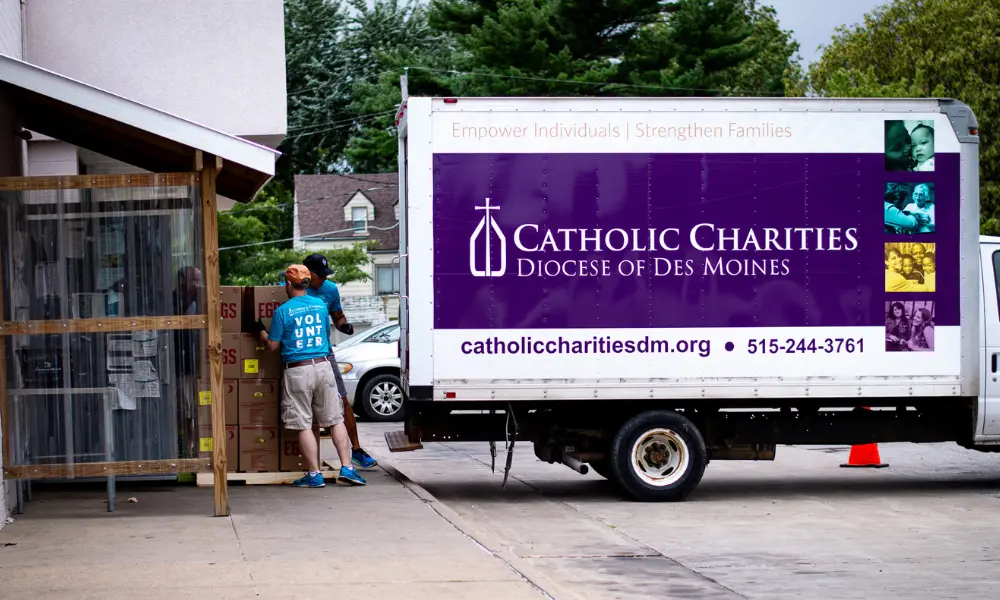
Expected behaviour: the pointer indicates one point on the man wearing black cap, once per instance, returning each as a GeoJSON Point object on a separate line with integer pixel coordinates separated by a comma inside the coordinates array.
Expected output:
{"type": "Point", "coordinates": [326, 290]}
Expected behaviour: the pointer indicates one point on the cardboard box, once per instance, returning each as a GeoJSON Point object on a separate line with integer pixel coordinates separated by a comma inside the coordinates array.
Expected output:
{"type": "Point", "coordinates": [231, 389]}
{"type": "Point", "coordinates": [290, 456]}
{"type": "Point", "coordinates": [231, 364]}
{"type": "Point", "coordinates": [259, 461]}
{"type": "Point", "coordinates": [258, 402]}
{"type": "Point", "coordinates": [260, 302]}
{"type": "Point", "coordinates": [258, 437]}
{"type": "Point", "coordinates": [256, 361]}
{"type": "Point", "coordinates": [205, 445]}
{"type": "Point", "coordinates": [231, 307]}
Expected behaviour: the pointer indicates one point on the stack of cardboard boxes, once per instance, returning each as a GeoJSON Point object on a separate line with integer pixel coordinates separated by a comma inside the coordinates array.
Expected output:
{"type": "Point", "coordinates": [252, 376]}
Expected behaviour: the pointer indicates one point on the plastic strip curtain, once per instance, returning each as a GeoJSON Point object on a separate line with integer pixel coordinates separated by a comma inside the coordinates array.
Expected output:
{"type": "Point", "coordinates": [103, 253]}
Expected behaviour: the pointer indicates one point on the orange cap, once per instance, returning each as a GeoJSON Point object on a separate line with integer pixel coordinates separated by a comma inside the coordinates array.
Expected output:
{"type": "Point", "coordinates": [296, 273]}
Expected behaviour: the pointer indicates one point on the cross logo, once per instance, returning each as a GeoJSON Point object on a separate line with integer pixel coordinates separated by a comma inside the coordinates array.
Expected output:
{"type": "Point", "coordinates": [488, 229]}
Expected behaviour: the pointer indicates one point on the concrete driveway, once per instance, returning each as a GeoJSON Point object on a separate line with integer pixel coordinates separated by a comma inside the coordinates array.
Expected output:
{"type": "Point", "coordinates": [927, 527]}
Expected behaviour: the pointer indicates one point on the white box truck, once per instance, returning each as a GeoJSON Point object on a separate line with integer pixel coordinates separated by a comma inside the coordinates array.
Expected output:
{"type": "Point", "coordinates": [642, 285]}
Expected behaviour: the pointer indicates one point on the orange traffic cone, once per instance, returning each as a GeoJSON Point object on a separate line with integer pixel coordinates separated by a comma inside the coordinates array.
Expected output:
{"type": "Point", "coordinates": [865, 455]}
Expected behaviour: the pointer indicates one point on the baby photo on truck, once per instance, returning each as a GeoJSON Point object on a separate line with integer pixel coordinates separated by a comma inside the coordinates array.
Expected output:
{"type": "Point", "coordinates": [909, 145]}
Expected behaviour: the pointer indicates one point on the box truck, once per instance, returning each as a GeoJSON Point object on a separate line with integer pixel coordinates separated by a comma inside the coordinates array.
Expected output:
{"type": "Point", "coordinates": [640, 286]}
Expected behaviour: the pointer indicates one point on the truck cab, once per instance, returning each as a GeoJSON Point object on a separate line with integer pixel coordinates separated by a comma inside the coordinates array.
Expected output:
{"type": "Point", "coordinates": [988, 425]}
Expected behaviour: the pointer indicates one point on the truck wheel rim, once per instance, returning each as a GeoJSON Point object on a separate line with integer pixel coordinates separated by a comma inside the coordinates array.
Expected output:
{"type": "Point", "coordinates": [386, 399]}
{"type": "Point", "coordinates": [660, 457]}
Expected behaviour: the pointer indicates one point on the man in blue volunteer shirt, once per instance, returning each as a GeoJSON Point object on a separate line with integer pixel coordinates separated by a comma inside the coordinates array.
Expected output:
{"type": "Point", "coordinates": [301, 329]}
{"type": "Point", "coordinates": [326, 290]}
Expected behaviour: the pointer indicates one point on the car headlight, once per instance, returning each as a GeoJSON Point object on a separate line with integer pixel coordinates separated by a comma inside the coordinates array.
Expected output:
{"type": "Point", "coordinates": [344, 367]}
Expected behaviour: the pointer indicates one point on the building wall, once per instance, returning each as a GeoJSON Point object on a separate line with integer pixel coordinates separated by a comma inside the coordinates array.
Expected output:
{"type": "Point", "coordinates": [52, 158]}
{"type": "Point", "coordinates": [365, 312]}
{"type": "Point", "coordinates": [220, 63]}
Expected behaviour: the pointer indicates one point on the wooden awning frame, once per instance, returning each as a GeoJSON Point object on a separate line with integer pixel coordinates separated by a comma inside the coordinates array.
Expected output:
{"type": "Point", "coordinates": [207, 170]}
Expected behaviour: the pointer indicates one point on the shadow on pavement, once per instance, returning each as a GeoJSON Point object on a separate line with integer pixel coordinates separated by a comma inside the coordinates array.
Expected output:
{"type": "Point", "coordinates": [716, 491]}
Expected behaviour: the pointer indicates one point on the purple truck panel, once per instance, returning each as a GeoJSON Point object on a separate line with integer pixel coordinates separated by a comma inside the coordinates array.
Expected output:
{"type": "Point", "coordinates": [783, 286]}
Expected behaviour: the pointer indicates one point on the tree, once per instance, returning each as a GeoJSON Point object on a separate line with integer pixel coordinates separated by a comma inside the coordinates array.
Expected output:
{"type": "Point", "coordinates": [318, 78]}
{"type": "Point", "coordinates": [266, 266]}
{"type": "Point", "coordinates": [255, 243]}
{"type": "Point", "coordinates": [383, 39]}
{"type": "Point", "coordinates": [774, 55]}
{"type": "Point", "coordinates": [925, 48]}
{"type": "Point", "coordinates": [260, 222]}
{"type": "Point", "coordinates": [696, 51]}
{"type": "Point", "coordinates": [576, 47]}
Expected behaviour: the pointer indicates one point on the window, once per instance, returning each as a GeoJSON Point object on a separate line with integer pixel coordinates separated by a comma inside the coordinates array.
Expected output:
{"type": "Point", "coordinates": [386, 336]}
{"type": "Point", "coordinates": [996, 273]}
{"type": "Point", "coordinates": [359, 215]}
{"type": "Point", "coordinates": [387, 279]}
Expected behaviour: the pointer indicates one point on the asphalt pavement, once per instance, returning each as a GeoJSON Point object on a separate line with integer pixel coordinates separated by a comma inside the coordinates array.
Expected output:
{"type": "Point", "coordinates": [926, 527]}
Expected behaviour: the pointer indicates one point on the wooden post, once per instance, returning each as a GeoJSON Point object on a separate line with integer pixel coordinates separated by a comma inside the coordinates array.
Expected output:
{"type": "Point", "coordinates": [210, 224]}
{"type": "Point", "coordinates": [5, 424]}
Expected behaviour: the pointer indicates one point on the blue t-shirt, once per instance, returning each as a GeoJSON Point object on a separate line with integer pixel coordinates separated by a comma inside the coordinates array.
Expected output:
{"type": "Point", "coordinates": [329, 294]}
{"type": "Point", "coordinates": [302, 325]}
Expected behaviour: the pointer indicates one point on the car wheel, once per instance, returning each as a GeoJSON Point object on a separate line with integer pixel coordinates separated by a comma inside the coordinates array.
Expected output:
{"type": "Point", "coordinates": [383, 398]}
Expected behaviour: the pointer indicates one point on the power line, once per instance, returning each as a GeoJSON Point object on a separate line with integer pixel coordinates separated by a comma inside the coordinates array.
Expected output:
{"type": "Point", "coordinates": [320, 84]}
{"type": "Point", "coordinates": [302, 237]}
{"type": "Point", "coordinates": [591, 83]}
{"type": "Point", "coordinates": [341, 121]}
{"type": "Point", "coordinates": [334, 128]}
{"type": "Point", "coordinates": [372, 181]}
{"type": "Point", "coordinates": [244, 208]}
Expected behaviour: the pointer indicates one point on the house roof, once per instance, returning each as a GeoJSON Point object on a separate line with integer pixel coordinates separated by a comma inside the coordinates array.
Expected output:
{"type": "Point", "coordinates": [320, 201]}
{"type": "Point", "coordinates": [125, 130]}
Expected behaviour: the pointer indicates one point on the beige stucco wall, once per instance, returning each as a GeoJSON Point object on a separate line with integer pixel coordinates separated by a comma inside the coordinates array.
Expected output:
{"type": "Point", "coordinates": [220, 63]}
{"type": "Point", "coordinates": [11, 41]}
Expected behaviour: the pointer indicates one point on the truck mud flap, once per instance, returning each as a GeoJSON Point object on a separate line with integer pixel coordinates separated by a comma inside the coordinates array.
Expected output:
{"type": "Point", "coordinates": [399, 442]}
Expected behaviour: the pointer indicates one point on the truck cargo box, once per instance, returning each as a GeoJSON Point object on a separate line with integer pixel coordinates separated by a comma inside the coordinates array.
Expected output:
{"type": "Point", "coordinates": [688, 249]}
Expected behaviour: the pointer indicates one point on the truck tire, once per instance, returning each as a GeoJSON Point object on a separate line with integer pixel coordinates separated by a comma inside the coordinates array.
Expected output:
{"type": "Point", "coordinates": [658, 456]}
{"type": "Point", "coordinates": [601, 467]}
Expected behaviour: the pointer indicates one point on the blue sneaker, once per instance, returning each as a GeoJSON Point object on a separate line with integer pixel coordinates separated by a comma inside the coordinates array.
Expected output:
{"type": "Point", "coordinates": [310, 481]}
{"type": "Point", "coordinates": [350, 476]}
{"type": "Point", "coordinates": [363, 460]}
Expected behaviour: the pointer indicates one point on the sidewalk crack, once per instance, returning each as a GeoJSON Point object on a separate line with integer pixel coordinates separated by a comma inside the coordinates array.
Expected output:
{"type": "Point", "coordinates": [239, 544]}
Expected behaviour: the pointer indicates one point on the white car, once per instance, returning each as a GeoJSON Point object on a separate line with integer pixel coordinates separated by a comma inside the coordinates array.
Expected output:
{"type": "Point", "coordinates": [369, 364]}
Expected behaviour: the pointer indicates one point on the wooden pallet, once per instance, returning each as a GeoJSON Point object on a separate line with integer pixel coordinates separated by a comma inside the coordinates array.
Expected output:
{"type": "Point", "coordinates": [282, 478]}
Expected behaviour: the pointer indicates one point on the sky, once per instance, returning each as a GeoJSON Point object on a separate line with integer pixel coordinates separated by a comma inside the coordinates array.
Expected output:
{"type": "Point", "coordinates": [813, 21]}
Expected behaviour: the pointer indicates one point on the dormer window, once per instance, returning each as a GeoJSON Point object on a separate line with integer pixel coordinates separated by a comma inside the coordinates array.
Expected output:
{"type": "Point", "coordinates": [359, 217]}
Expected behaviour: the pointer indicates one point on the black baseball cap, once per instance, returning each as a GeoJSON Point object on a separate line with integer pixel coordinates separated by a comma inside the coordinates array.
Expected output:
{"type": "Point", "coordinates": [318, 265]}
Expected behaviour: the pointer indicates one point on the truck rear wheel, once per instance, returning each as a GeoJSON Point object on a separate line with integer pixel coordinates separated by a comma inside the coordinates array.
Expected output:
{"type": "Point", "coordinates": [658, 456]}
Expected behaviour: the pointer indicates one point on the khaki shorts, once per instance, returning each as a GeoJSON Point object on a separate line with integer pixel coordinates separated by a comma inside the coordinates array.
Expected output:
{"type": "Point", "coordinates": [309, 395]}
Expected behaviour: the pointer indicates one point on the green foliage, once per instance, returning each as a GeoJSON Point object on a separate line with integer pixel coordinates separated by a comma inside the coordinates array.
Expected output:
{"type": "Point", "coordinates": [573, 48]}
{"type": "Point", "coordinates": [774, 54]}
{"type": "Point", "coordinates": [318, 77]}
{"type": "Point", "coordinates": [268, 217]}
{"type": "Point", "coordinates": [248, 254]}
{"type": "Point", "coordinates": [266, 265]}
{"type": "Point", "coordinates": [384, 38]}
{"type": "Point", "coordinates": [921, 48]}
